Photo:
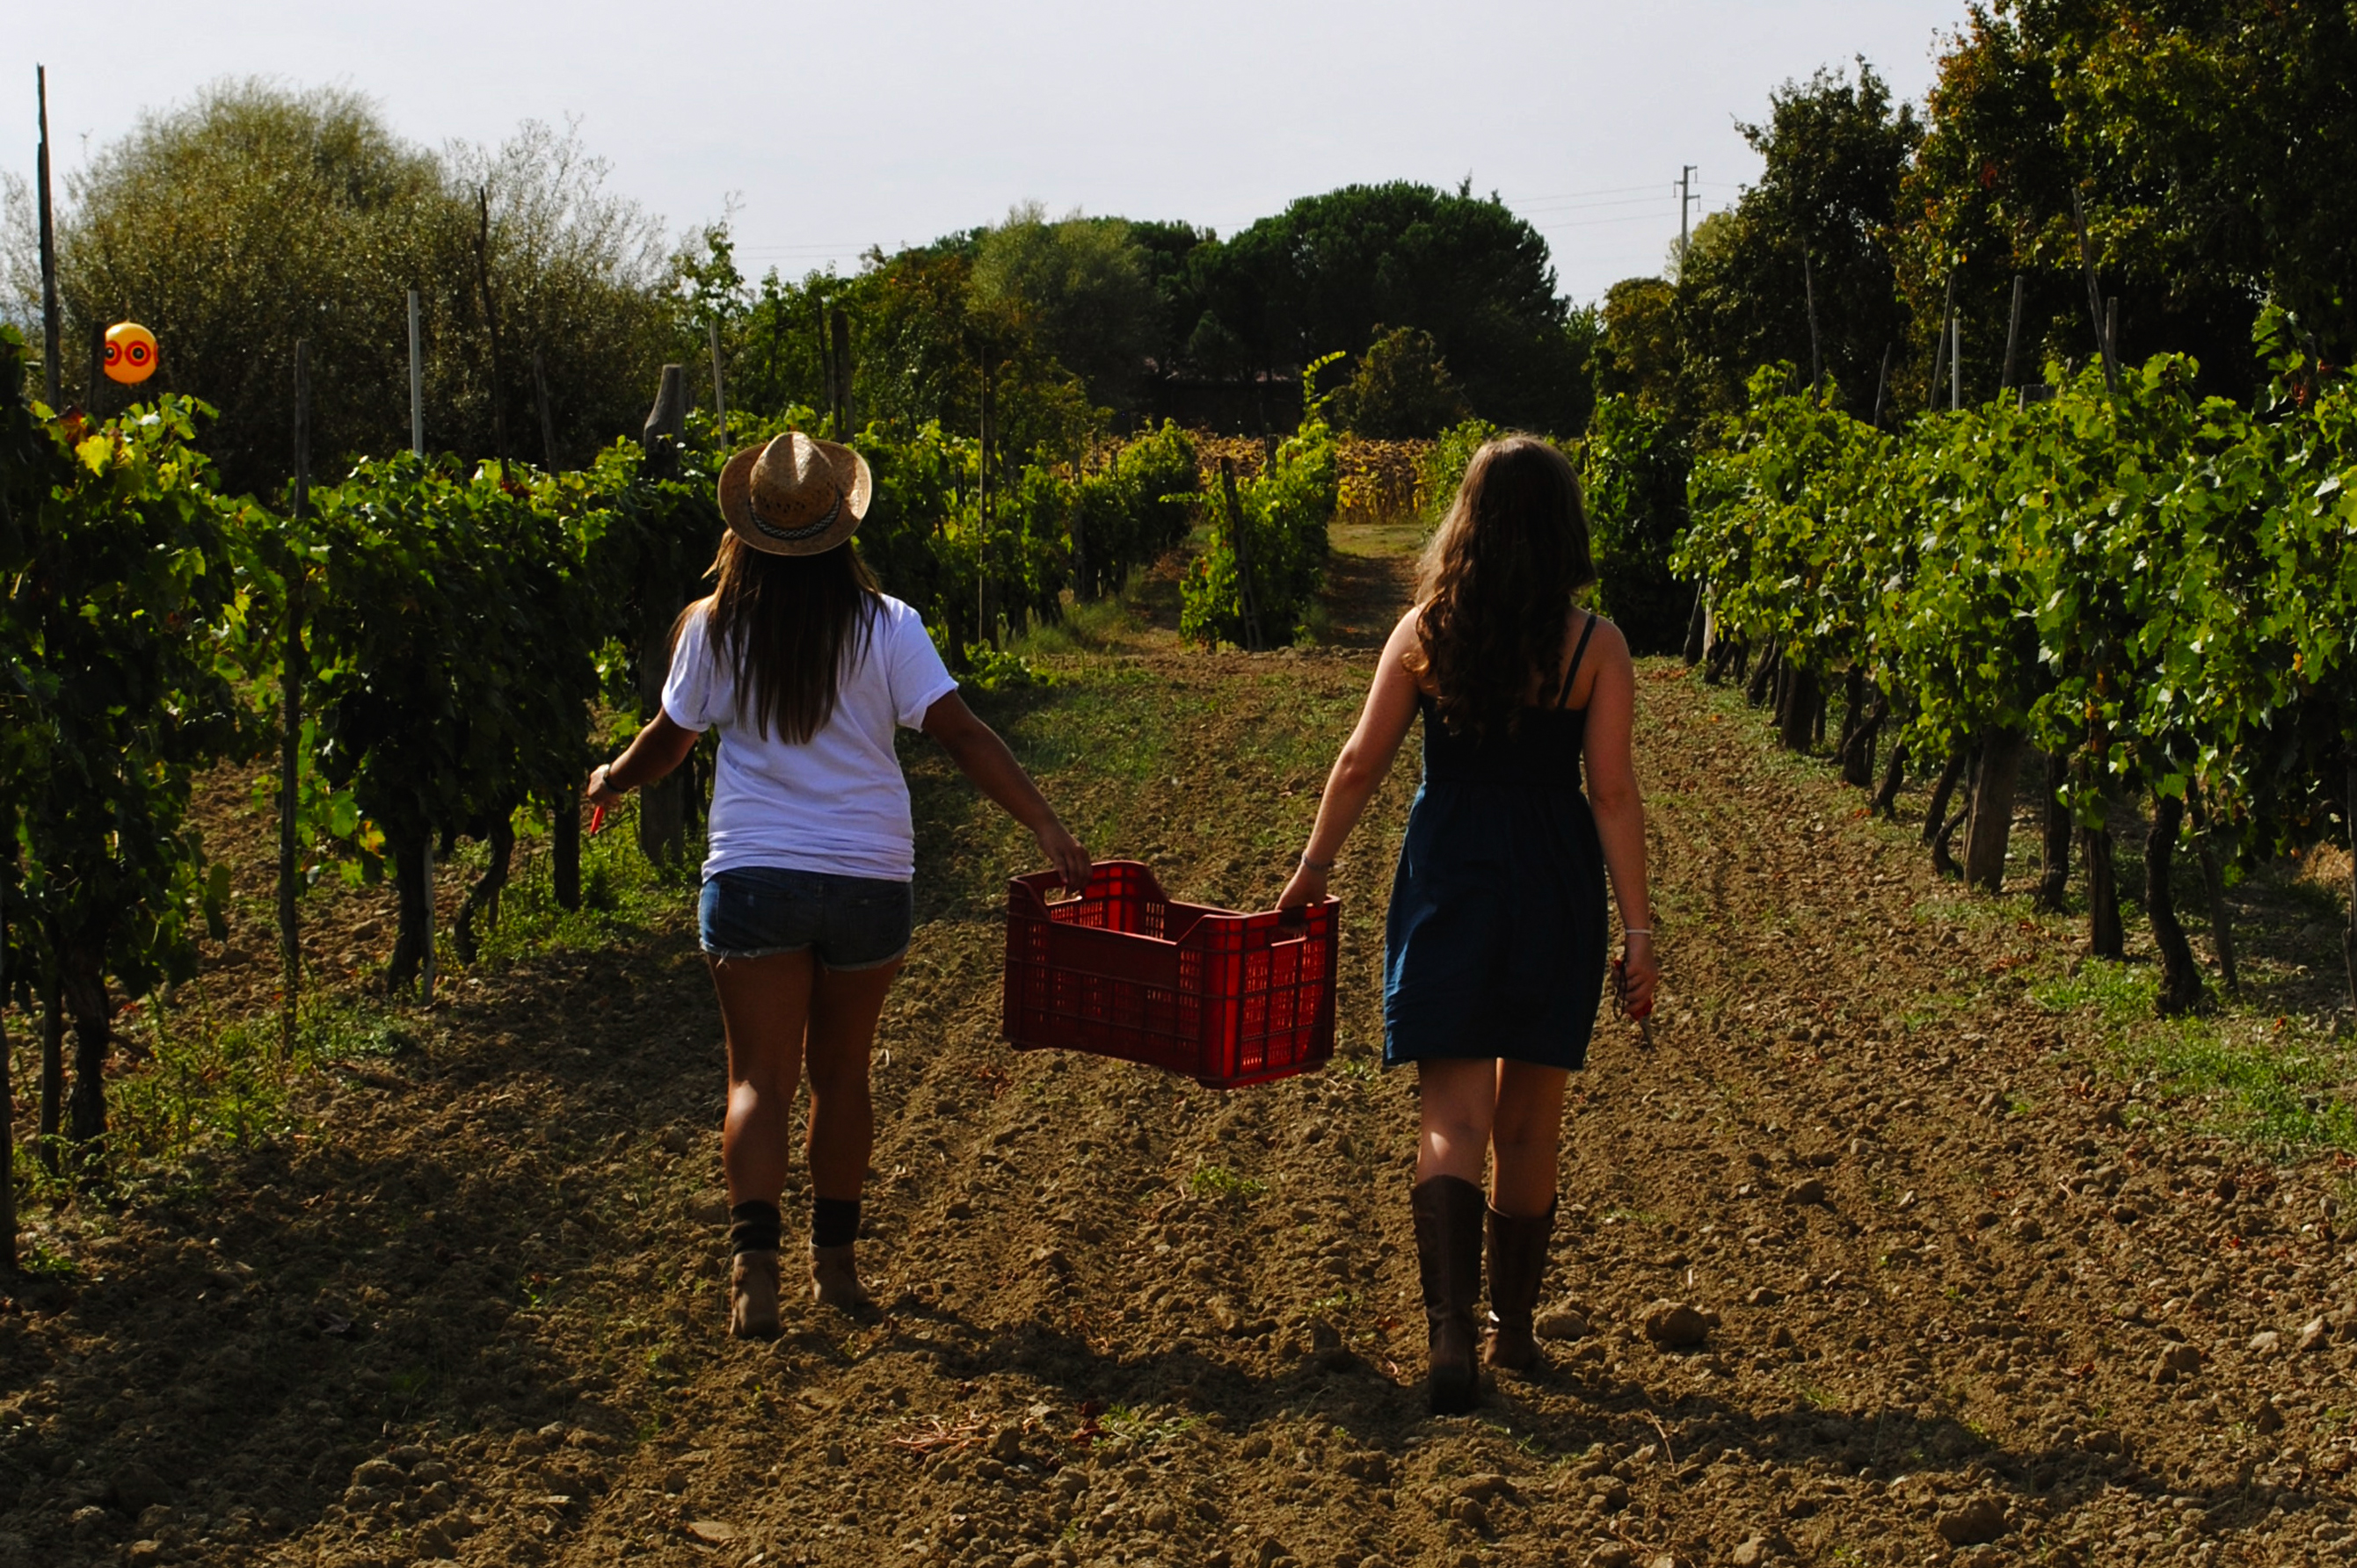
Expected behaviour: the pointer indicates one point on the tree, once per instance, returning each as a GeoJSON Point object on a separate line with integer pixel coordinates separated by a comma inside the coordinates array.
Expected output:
{"type": "Point", "coordinates": [1400, 389]}
{"type": "Point", "coordinates": [1330, 272]}
{"type": "Point", "coordinates": [1081, 288]}
{"type": "Point", "coordinates": [254, 216]}
{"type": "Point", "coordinates": [1801, 270]}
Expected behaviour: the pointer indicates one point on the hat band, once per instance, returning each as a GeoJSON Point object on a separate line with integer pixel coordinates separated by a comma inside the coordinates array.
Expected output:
{"type": "Point", "coordinates": [794, 536]}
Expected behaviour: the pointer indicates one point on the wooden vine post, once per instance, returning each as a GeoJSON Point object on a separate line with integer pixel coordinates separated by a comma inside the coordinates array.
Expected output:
{"type": "Point", "coordinates": [1244, 598]}
{"type": "Point", "coordinates": [52, 346]}
{"type": "Point", "coordinates": [8, 1105]}
{"type": "Point", "coordinates": [662, 806]}
{"type": "Point", "coordinates": [547, 422]}
{"type": "Point", "coordinates": [719, 388]}
{"type": "Point", "coordinates": [290, 717]}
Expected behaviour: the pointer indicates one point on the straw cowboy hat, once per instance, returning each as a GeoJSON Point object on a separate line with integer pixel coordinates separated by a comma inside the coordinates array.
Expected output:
{"type": "Point", "coordinates": [795, 496]}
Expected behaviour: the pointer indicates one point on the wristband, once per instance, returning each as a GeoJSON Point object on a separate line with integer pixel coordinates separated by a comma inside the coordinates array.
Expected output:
{"type": "Point", "coordinates": [1636, 931]}
{"type": "Point", "coordinates": [1319, 866]}
{"type": "Point", "coordinates": [608, 769]}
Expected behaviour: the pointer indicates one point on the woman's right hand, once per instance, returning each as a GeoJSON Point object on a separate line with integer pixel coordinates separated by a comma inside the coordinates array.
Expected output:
{"type": "Point", "coordinates": [1065, 853]}
{"type": "Point", "coordinates": [1641, 973]}
{"type": "Point", "coordinates": [1304, 888]}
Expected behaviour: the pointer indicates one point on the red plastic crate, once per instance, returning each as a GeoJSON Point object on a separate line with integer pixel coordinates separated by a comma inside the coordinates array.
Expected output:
{"type": "Point", "coordinates": [1125, 971]}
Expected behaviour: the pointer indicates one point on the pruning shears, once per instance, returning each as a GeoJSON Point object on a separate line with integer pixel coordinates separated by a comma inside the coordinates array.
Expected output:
{"type": "Point", "coordinates": [1644, 1020]}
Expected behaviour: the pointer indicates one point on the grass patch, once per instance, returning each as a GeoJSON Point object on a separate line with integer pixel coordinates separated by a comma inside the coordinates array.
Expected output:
{"type": "Point", "coordinates": [206, 1088]}
{"type": "Point", "coordinates": [2275, 1082]}
{"type": "Point", "coordinates": [1219, 1182]}
{"type": "Point", "coordinates": [624, 897]}
{"type": "Point", "coordinates": [1141, 1429]}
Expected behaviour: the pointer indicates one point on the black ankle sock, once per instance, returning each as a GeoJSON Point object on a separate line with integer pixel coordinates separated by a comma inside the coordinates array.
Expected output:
{"type": "Point", "coordinates": [753, 1227]}
{"type": "Point", "coordinates": [835, 1221]}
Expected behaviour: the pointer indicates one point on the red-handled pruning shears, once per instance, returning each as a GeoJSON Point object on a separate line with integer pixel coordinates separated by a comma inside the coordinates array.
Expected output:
{"type": "Point", "coordinates": [597, 820]}
{"type": "Point", "coordinates": [1644, 1019]}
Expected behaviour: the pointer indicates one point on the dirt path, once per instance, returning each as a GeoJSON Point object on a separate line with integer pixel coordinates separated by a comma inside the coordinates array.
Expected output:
{"type": "Point", "coordinates": [466, 1301]}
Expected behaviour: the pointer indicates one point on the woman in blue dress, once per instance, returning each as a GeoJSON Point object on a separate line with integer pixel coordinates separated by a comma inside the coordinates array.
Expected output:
{"type": "Point", "coordinates": [1494, 950]}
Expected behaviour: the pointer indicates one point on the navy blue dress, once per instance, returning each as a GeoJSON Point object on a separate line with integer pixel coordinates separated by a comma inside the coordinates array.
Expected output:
{"type": "Point", "coordinates": [1494, 946]}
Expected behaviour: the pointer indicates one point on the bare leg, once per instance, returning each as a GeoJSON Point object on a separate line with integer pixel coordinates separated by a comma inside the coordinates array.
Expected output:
{"type": "Point", "coordinates": [843, 1007]}
{"type": "Point", "coordinates": [765, 1006]}
{"type": "Point", "coordinates": [1459, 1103]}
{"type": "Point", "coordinates": [1526, 1131]}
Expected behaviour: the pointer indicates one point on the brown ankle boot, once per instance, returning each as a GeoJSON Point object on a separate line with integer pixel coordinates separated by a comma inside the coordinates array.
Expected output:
{"type": "Point", "coordinates": [1518, 1255]}
{"type": "Point", "coordinates": [753, 1296]}
{"type": "Point", "coordinates": [1448, 1212]}
{"type": "Point", "coordinates": [834, 1278]}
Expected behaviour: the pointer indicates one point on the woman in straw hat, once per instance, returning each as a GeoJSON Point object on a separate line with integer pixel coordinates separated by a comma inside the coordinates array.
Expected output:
{"type": "Point", "coordinates": [806, 669]}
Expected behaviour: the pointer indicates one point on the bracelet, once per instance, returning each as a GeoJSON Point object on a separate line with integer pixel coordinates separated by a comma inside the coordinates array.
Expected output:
{"type": "Point", "coordinates": [1636, 930]}
{"type": "Point", "coordinates": [608, 768]}
{"type": "Point", "coordinates": [1319, 866]}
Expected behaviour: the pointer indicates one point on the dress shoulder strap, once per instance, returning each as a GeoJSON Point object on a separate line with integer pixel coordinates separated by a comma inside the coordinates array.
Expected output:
{"type": "Point", "coordinates": [1577, 653]}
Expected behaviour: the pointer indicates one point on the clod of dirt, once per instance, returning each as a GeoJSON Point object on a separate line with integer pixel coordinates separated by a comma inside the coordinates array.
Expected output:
{"type": "Point", "coordinates": [2267, 1420]}
{"type": "Point", "coordinates": [1270, 1553]}
{"type": "Point", "coordinates": [1612, 1556]}
{"type": "Point", "coordinates": [1976, 1523]}
{"type": "Point", "coordinates": [1468, 1512]}
{"type": "Point", "coordinates": [134, 1488]}
{"type": "Point", "coordinates": [2315, 1332]}
{"type": "Point", "coordinates": [1804, 1192]}
{"type": "Point", "coordinates": [1758, 1549]}
{"type": "Point", "coordinates": [2028, 1229]}
{"type": "Point", "coordinates": [716, 1532]}
{"type": "Point", "coordinates": [1675, 1325]}
{"type": "Point", "coordinates": [1008, 1446]}
{"type": "Point", "coordinates": [1486, 1487]}
{"type": "Point", "coordinates": [2266, 1342]}
{"type": "Point", "coordinates": [709, 1207]}
{"type": "Point", "coordinates": [2176, 1361]}
{"type": "Point", "coordinates": [1561, 1322]}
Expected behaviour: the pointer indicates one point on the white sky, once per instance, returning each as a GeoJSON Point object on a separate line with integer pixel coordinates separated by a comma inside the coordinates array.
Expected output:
{"type": "Point", "coordinates": [840, 126]}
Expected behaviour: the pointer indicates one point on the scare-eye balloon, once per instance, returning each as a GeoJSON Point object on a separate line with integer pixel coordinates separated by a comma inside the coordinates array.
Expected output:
{"type": "Point", "coordinates": [130, 352]}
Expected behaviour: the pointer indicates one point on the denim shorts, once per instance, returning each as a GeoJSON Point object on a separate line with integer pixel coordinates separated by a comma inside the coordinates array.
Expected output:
{"type": "Point", "coordinates": [852, 922]}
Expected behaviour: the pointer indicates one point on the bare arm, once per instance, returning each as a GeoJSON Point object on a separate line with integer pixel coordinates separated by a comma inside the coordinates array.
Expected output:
{"type": "Point", "coordinates": [1366, 757]}
{"type": "Point", "coordinates": [651, 755]}
{"type": "Point", "coordinates": [1620, 810]}
{"type": "Point", "coordinates": [982, 756]}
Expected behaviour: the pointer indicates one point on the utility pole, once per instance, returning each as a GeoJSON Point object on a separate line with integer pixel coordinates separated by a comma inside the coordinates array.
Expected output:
{"type": "Point", "coordinates": [49, 345]}
{"type": "Point", "coordinates": [1686, 199]}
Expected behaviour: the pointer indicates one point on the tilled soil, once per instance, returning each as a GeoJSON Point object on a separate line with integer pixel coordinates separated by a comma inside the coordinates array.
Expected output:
{"type": "Point", "coordinates": [1956, 1295]}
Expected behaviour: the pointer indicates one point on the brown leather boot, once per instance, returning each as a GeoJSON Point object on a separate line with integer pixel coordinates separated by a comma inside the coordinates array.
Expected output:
{"type": "Point", "coordinates": [1448, 1212]}
{"type": "Point", "coordinates": [834, 1278]}
{"type": "Point", "coordinates": [1518, 1255]}
{"type": "Point", "coordinates": [753, 1296]}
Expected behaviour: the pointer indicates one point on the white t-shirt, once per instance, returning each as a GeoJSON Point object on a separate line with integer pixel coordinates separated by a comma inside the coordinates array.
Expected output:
{"type": "Point", "coordinates": [837, 803]}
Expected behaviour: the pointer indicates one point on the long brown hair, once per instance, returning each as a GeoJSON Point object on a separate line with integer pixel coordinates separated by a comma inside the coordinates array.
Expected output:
{"type": "Point", "coordinates": [785, 627]}
{"type": "Point", "coordinates": [1497, 585]}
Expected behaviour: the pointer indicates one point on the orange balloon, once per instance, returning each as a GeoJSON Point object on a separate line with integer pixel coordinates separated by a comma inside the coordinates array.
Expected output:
{"type": "Point", "coordinates": [130, 352]}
